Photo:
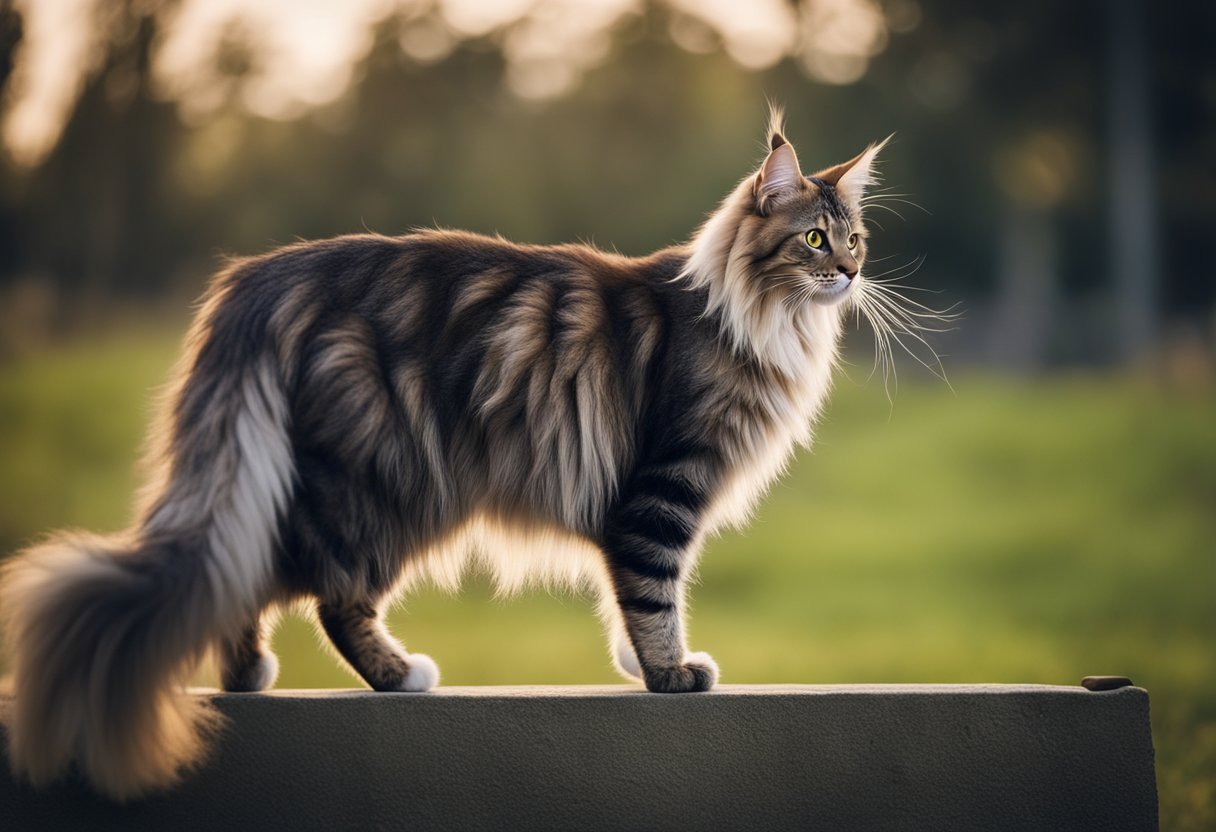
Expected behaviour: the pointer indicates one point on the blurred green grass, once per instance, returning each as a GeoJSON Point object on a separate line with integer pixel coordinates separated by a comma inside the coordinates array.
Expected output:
{"type": "Point", "coordinates": [1010, 531]}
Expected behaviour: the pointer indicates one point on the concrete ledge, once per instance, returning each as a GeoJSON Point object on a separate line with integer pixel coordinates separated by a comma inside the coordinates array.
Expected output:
{"type": "Point", "coordinates": [941, 757]}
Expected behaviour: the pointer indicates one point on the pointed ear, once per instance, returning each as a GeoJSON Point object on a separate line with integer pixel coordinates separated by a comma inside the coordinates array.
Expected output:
{"type": "Point", "coordinates": [853, 177]}
{"type": "Point", "coordinates": [780, 176]}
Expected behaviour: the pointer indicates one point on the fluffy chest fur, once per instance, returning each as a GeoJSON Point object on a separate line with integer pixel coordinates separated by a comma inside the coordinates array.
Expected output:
{"type": "Point", "coordinates": [766, 410]}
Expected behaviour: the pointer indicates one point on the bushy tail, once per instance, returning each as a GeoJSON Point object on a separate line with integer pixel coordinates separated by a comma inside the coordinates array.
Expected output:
{"type": "Point", "coordinates": [102, 631]}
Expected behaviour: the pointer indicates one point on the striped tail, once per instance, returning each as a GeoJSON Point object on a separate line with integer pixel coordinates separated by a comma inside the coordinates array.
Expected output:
{"type": "Point", "coordinates": [103, 632]}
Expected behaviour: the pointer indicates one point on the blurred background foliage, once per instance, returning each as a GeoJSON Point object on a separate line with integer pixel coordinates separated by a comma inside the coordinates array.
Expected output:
{"type": "Point", "coordinates": [1053, 515]}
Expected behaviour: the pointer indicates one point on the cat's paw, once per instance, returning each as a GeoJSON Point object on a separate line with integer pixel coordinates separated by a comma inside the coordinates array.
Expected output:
{"type": "Point", "coordinates": [423, 674]}
{"type": "Point", "coordinates": [698, 673]}
{"type": "Point", "coordinates": [257, 676]}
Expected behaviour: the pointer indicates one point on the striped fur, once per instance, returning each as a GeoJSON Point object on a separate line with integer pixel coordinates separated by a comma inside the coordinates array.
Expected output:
{"type": "Point", "coordinates": [360, 413]}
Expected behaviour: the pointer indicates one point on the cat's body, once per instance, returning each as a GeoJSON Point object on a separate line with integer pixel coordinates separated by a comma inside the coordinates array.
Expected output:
{"type": "Point", "coordinates": [355, 413]}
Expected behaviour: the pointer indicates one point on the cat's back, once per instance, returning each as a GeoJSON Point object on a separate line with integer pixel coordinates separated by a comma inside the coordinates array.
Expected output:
{"type": "Point", "coordinates": [461, 305]}
{"type": "Point", "coordinates": [351, 267]}
{"type": "Point", "coordinates": [461, 309]}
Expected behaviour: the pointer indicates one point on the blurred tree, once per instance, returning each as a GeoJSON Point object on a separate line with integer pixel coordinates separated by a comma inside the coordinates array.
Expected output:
{"type": "Point", "coordinates": [1133, 214]}
{"type": "Point", "coordinates": [10, 39]}
{"type": "Point", "coordinates": [97, 218]}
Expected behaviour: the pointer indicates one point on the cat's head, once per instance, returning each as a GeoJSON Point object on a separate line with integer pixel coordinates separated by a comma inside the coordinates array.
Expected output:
{"type": "Point", "coordinates": [806, 232]}
{"type": "Point", "coordinates": [784, 243]}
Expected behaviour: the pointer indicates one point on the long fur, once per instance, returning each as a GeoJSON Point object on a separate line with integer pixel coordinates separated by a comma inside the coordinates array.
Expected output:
{"type": "Point", "coordinates": [359, 413]}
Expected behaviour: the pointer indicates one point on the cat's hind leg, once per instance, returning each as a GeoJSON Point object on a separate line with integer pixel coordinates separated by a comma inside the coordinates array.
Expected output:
{"type": "Point", "coordinates": [246, 662]}
{"type": "Point", "coordinates": [357, 631]}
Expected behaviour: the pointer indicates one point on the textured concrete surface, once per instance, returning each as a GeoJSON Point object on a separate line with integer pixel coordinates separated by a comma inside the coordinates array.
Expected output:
{"type": "Point", "coordinates": [942, 757]}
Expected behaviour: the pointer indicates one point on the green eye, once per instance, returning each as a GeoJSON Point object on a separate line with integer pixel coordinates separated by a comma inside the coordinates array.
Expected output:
{"type": "Point", "coordinates": [814, 238]}
{"type": "Point", "coordinates": [852, 241]}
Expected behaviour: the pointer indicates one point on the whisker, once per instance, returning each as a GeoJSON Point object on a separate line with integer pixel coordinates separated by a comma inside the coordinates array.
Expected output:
{"type": "Point", "coordinates": [892, 198]}
{"type": "Point", "coordinates": [880, 194]}
{"type": "Point", "coordinates": [885, 208]}
{"type": "Point", "coordinates": [926, 312]}
{"type": "Point", "coordinates": [895, 317]}
{"type": "Point", "coordinates": [882, 345]}
{"type": "Point", "coordinates": [894, 281]}
{"type": "Point", "coordinates": [782, 280]}
{"type": "Point", "coordinates": [780, 284]}
{"type": "Point", "coordinates": [881, 191]}
{"type": "Point", "coordinates": [918, 261]}
{"type": "Point", "coordinates": [898, 327]}
{"type": "Point", "coordinates": [796, 299]}
{"type": "Point", "coordinates": [891, 290]}
{"type": "Point", "coordinates": [907, 320]}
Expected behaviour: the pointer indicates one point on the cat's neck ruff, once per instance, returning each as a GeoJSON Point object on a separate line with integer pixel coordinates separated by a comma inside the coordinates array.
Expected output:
{"type": "Point", "coordinates": [794, 346]}
{"type": "Point", "coordinates": [782, 406]}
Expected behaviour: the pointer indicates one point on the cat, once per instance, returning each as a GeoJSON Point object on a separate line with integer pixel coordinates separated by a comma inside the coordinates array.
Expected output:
{"type": "Point", "coordinates": [355, 413]}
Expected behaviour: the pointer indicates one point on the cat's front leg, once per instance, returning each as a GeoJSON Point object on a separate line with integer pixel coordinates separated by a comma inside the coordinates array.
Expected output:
{"type": "Point", "coordinates": [649, 548]}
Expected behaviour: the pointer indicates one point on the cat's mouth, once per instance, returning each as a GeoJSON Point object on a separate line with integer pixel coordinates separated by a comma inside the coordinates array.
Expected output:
{"type": "Point", "coordinates": [830, 291]}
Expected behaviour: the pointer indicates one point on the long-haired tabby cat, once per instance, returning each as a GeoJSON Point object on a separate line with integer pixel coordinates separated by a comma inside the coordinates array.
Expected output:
{"type": "Point", "coordinates": [355, 413]}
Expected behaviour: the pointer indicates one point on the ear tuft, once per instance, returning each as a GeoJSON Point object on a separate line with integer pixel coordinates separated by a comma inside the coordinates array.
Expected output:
{"type": "Point", "coordinates": [852, 178]}
{"type": "Point", "coordinates": [776, 126]}
{"type": "Point", "coordinates": [780, 175]}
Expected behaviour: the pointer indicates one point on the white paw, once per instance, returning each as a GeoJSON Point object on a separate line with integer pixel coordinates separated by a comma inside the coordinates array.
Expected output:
{"type": "Point", "coordinates": [704, 662]}
{"type": "Point", "coordinates": [423, 674]}
{"type": "Point", "coordinates": [627, 660]}
{"type": "Point", "coordinates": [267, 672]}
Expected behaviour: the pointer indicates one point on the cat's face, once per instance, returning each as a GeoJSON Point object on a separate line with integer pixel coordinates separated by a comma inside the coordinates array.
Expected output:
{"type": "Point", "coordinates": [804, 239]}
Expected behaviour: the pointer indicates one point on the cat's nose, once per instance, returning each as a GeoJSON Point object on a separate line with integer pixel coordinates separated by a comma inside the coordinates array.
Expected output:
{"type": "Point", "coordinates": [849, 270]}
